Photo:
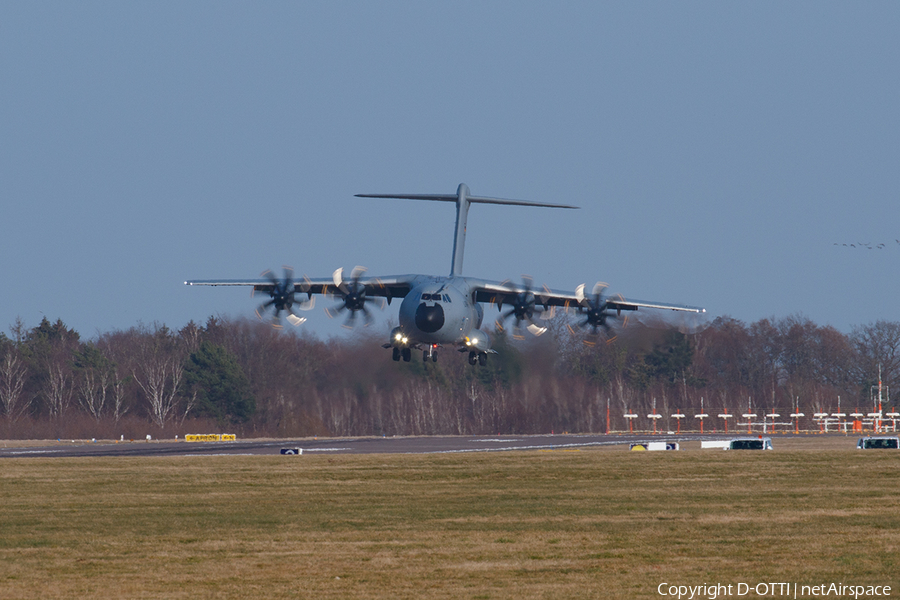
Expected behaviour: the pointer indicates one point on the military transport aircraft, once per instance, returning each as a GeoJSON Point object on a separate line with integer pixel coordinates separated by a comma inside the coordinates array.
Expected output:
{"type": "Point", "coordinates": [440, 311]}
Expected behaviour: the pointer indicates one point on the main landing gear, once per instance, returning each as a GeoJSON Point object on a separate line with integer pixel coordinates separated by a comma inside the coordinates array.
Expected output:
{"type": "Point", "coordinates": [400, 348]}
{"type": "Point", "coordinates": [405, 353]}
{"type": "Point", "coordinates": [475, 358]}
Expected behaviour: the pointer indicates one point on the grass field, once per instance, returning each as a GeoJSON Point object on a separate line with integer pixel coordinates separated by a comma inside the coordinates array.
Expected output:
{"type": "Point", "coordinates": [563, 524]}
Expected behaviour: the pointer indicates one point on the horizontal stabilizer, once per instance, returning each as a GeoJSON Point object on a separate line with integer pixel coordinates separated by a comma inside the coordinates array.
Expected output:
{"type": "Point", "coordinates": [462, 199]}
{"type": "Point", "coordinates": [475, 199]}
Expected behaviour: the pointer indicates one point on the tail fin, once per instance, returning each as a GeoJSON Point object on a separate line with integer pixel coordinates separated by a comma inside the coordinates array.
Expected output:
{"type": "Point", "coordinates": [462, 200]}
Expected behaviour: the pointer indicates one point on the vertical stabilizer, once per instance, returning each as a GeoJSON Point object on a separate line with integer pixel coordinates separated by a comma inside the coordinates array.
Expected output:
{"type": "Point", "coordinates": [459, 235]}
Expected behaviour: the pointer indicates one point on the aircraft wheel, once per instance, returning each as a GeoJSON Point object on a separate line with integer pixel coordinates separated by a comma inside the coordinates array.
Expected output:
{"type": "Point", "coordinates": [473, 358]}
{"type": "Point", "coordinates": [434, 356]}
{"type": "Point", "coordinates": [396, 354]}
{"type": "Point", "coordinates": [407, 354]}
{"type": "Point", "coordinates": [482, 359]}
{"type": "Point", "coordinates": [425, 356]}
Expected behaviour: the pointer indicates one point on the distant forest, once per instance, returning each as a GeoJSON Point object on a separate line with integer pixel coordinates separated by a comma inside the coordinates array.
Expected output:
{"type": "Point", "coordinates": [244, 377]}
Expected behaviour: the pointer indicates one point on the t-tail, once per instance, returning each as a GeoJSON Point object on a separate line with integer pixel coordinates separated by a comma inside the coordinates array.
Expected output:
{"type": "Point", "coordinates": [462, 199]}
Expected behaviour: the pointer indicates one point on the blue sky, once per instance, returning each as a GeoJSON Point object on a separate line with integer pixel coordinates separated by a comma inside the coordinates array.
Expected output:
{"type": "Point", "coordinates": [718, 151]}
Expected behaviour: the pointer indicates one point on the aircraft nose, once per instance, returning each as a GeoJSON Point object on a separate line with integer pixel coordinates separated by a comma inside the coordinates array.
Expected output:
{"type": "Point", "coordinates": [429, 318]}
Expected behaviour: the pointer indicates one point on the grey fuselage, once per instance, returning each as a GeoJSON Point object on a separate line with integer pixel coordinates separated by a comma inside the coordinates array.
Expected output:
{"type": "Point", "coordinates": [440, 310]}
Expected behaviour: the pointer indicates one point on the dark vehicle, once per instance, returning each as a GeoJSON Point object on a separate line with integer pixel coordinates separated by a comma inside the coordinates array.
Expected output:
{"type": "Point", "coordinates": [883, 442]}
{"type": "Point", "coordinates": [749, 443]}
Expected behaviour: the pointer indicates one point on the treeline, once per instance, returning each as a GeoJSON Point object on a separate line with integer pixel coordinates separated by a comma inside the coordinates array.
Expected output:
{"type": "Point", "coordinates": [241, 376]}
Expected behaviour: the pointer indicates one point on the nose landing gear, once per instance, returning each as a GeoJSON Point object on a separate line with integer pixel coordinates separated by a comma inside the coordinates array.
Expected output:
{"type": "Point", "coordinates": [430, 352]}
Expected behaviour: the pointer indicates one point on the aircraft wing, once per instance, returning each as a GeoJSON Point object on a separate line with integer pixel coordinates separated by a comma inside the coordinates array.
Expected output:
{"type": "Point", "coordinates": [396, 286]}
{"type": "Point", "coordinates": [501, 293]}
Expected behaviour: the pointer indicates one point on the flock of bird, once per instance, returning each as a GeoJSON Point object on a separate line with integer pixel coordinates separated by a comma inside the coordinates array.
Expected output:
{"type": "Point", "coordinates": [865, 245]}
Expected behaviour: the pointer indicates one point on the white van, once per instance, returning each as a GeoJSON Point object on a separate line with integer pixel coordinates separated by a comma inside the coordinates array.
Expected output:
{"type": "Point", "coordinates": [750, 443]}
{"type": "Point", "coordinates": [716, 444]}
{"type": "Point", "coordinates": [652, 446]}
{"type": "Point", "coordinates": [873, 442]}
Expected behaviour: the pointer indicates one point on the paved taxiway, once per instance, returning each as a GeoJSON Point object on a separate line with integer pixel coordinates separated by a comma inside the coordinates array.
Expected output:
{"type": "Point", "coordinates": [362, 445]}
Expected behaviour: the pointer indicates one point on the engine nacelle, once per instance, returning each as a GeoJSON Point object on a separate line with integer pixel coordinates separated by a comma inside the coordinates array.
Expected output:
{"type": "Point", "coordinates": [478, 341]}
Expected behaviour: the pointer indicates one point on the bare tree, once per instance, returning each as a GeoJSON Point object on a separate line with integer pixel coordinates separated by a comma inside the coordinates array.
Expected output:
{"type": "Point", "coordinates": [114, 348]}
{"type": "Point", "coordinates": [94, 378]}
{"type": "Point", "coordinates": [92, 388]}
{"type": "Point", "coordinates": [13, 375]}
{"type": "Point", "coordinates": [118, 395]}
{"type": "Point", "coordinates": [48, 349]}
{"type": "Point", "coordinates": [158, 370]}
{"type": "Point", "coordinates": [58, 387]}
{"type": "Point", "coordinates": [878, 344]}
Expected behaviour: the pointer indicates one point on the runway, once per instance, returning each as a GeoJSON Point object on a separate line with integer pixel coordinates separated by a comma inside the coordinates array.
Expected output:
{"type": "Point", "coordinates": [358, 445]}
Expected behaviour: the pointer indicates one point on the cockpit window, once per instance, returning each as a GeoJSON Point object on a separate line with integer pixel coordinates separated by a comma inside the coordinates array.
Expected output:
{"type": "Point", "coordinates": [436, 297]}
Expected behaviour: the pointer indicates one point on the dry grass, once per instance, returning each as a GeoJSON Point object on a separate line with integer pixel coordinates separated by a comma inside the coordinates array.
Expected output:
{"type": "Point", "coordinates": [588, 524]}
